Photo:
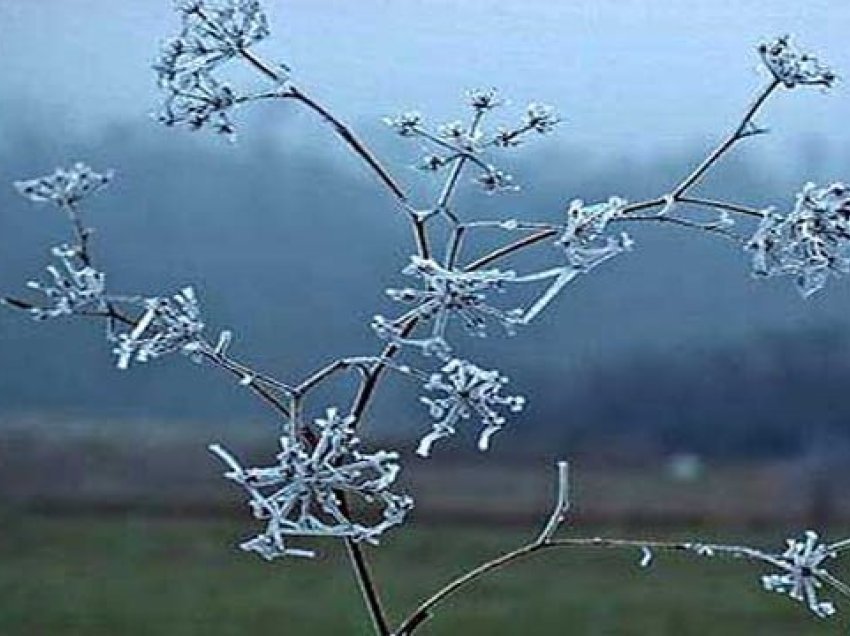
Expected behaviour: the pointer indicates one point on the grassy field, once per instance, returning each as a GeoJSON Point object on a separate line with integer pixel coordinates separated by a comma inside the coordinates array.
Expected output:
{"type": "Point", "coordinates": [133, 576]}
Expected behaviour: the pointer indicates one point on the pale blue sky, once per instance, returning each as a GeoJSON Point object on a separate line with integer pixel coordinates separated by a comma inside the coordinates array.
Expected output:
{"type": "Point", "coordinates": [628, 75]}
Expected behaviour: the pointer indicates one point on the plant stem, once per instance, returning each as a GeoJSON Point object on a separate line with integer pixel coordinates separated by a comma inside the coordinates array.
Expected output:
{"type": "Point", "coordinates": [727, 143]}
{"type": "Point", "coordinates": [368, 590]}
{"type": "Point", "coordinates": [424, 610]}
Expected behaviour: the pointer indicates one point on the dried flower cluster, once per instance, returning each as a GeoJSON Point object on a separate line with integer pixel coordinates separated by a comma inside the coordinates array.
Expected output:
{"type": "Point", "coordinates": [214, 31]}
{"type": "Point", "coordinates": [456, 142]}
{"type": "Point", "coordinates": [65, 187]}
{"type": "Point", "coordinates": [74, 287]}
{"type": "Point", "coordinates": [302, 494]}
{"type": "Point", "coordinates": [447, 293]}
{"type": "Point", "coordinates": [467, 390]}
{"type": "Point", "coordinates": [809, 242]}
{"type": "Point", "coordinates": [803, 574]}
{"type": "Point", "coordinates": [793, 67]}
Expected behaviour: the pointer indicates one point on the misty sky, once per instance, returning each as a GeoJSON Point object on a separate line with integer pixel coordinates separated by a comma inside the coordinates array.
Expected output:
{"type": "Point", "coordinates": [627, 75]}
{"type": "Point", "coordinates": [644, 87]}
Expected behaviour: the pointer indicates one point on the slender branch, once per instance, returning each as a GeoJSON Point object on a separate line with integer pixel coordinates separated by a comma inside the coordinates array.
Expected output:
{"type": "Point", "coordinates": [545, 541]}
{"type": "Point", "coordinates": [455, 244]}
{"type": "Point", "coordinates": [346, 134]}
{"type": "Point", "coordinates": [452, 180]}
{"type": "Point", "coordinates": [723, 205]}
{"type": "Point", "coordinates": [368, 589]}
{"type": "Point", "coordinates": [562, 504]}
{"type": "Point", "coordinates": [341, 129]}
{"type": "Point", "coordinates": [736, 135]}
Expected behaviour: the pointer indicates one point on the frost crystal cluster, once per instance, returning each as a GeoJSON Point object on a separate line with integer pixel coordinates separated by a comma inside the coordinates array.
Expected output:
{"type": "Point", "coordinates": [584, 241]}
{"type": "Point", "coordinates": [808, 243]}
{"type": "Point", "coordinates": [455, 142]}
{"type": "Point", "coordinates": [804, 574]}
{"type": "Point", "coordinates": [65, 187]}
{"type": "Point", "coordinates": [449, 292]}
{"type": "Point", "coordinates": [214, 31]}
{"type": "Point", "coordinates": [75, 287]}
{"type": "Point", "coordinates": [467, 390]}
{"type": "Point", "coordinates": [792, 67]}
{"type": "Point", "coordinates": [302, 494]}
{"type": "Point", "coordinates": [167, 325]}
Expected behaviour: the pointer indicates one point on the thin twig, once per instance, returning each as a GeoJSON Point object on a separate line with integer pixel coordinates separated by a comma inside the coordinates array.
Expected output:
{"type": "Point", "coordinates": [728, 142]}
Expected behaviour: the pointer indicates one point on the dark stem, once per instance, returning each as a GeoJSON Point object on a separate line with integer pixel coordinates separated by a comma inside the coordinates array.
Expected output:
{"type": "Point", "coordinates": [368, 590]}
{"type": "Point", "coordinates": [736, 135]}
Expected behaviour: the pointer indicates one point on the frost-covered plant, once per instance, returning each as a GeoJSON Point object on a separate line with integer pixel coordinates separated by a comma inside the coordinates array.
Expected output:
{"type": "Point", "coordinates": [322, 484]}
{"type": "Point", "coordinates": [449, 292]}
{"type": "Point", "coordinates": [467, 390]}
{"type": "Point", "coordinates": [809, 242]}
{"type": "Point", "coordinates": [302, 495]}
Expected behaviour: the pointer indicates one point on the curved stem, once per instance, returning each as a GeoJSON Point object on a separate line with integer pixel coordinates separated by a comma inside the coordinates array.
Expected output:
{"type": "Point", "coordinates": [723, 205]}
{"type": "Point", "coordinates": [346, 134]}
{"type": "Point", "coordinates": [368, 589]}
{"type": "Point", "coordinates": [736, 135]}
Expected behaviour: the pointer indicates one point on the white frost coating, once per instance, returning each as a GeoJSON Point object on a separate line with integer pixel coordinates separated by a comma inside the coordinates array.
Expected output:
{"type": "Point", "coordinates": [167, 325]}
{"type": "Point", "coordinates": [446, 293]}
{"type": "Point", "coordinates": [75, 287]}
{"type": "Point", "coordinates": [810, 242]}
{"type": "Point", "coordinates": [300, 495]}
{"type": "Point", "coordinates": [467, 390]}
{"type": "Point", "coordinates": [213, 32]}
{"type": "Point", "coordinates": [804, 574]}
{"type": "Point", "coordinates": [457, 141]}
{"type": "Point", "coordinates": [583, 240]}
{"type": "Point", "coordinates": [793, 67]}
{"type": "Point", "coordinates": [66, 186]}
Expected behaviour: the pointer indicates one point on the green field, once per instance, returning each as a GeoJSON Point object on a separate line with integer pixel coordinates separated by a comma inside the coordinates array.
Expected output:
{"type": "Point", "coordinates": [131, 576]}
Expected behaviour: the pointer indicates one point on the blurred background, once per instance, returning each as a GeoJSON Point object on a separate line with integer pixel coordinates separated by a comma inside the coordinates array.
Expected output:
{"type": "Point", "coordinates": [691, 399]}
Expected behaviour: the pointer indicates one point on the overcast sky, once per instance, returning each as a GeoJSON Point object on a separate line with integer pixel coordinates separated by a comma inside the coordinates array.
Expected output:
{"type": "Point", "coordinates": [627, 75]}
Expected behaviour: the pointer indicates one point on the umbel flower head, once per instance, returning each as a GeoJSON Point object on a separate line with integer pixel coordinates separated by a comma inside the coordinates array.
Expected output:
{"type": "Point", "coordinates": [302, 495]}
{"type": "Point", "coordinates": [808, 243]}
{"type": "Point", "coordinates": [66, 186]}
{"type": "Point", "coordinates": [804, 574]}
{"type": "Point", "coordinates": [450, 292]}
{"type": "Point", "coordinates": [584, 241]}
{"type": "Point", "coordinates": [198, 100]}
{"type": "Point", "coordinates": [793, 67]}
{"type": "Point", "coordinates": [213, 32]}
{"type": "Point", "coordinates": [467, 390]}
{"type": "Point", "coordinates": [167, 325]}
{"type": "Point", "coordinates": [75, 286]}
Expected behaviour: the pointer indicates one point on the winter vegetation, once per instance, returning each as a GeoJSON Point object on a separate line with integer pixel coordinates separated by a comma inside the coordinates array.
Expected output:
{"type": "Point", "coordinates": [322, 480]}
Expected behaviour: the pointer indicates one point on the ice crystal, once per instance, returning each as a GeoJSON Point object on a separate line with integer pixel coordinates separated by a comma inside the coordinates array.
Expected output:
{"type": "Point", "coordinates": [584, 241]}
{"type": "Point", "coordinates": [302, 494]}
{"type": "Point", "coordinates": [75, 286]}
{"type": "Point", "coordinates": [167, 325]}
{"type": "Point", "coordinates": [809, 242]}
{"type": "Point", "coordinates": [450, 292]}
{"type": "Point", "coordinates": [66, 186]}
{"type": "Point", "coordinates": [468, 390]}
{"type": "Point", "coordinates": [803, 574]}
{"type": "Point", "coordinates": [792, 67]}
